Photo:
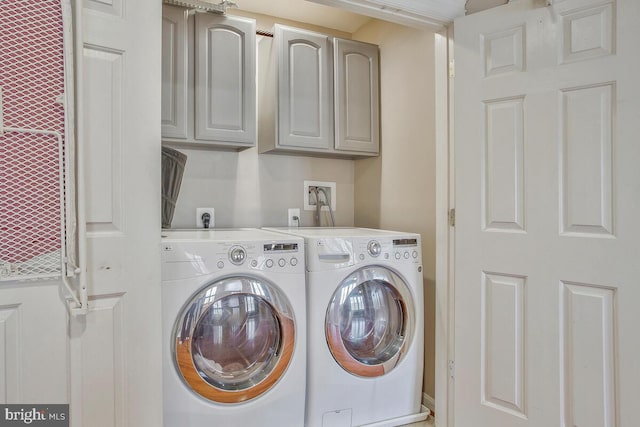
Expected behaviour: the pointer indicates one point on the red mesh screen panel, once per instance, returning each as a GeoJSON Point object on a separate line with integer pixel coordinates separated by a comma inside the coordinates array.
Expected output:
{"type": "Point", "coordinates": [32, 79]}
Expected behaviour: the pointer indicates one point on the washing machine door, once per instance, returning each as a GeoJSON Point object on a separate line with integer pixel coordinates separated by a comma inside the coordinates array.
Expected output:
{"type": "Point", "coordinates": [234, 339]}
{"type": "Point", "coordinates": [370, 321]}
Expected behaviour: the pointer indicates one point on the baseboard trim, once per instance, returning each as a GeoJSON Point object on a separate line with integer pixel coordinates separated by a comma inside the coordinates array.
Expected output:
{"type": "Point", "coordinates": [429, 402]}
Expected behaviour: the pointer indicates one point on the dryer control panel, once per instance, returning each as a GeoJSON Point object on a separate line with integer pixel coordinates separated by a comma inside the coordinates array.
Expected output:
{"type": "Point", "coordinates": [192, 259]}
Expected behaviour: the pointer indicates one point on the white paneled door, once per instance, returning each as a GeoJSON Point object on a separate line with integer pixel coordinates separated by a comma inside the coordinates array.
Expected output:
{"type": "Point", "coordinates": [547, 155]}
{"type": "Point", "coordinates": [116, 349]}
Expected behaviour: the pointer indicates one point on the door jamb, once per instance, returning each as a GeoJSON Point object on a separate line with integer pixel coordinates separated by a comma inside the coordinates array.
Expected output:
{"type": "Point", "coordinates": [444, 76]}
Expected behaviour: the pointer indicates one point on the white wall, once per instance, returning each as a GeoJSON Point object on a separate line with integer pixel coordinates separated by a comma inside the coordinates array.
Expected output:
{"type": "Point", "coordinates": [396, 191]}
{"type": "Point", "coordinates": [251, 190]}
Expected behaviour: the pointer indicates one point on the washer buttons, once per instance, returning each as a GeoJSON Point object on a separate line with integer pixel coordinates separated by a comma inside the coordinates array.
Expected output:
{"type": "Point", "coordinates": [415, 254]}
{"type": "Point", "coordinates": [361, 257]}
{"type": "Point", "coordinates": [282, 262]}
{"type": "Point", "coordinates": [269, 263]}
{"type": "Point", "coordinates": [398, 256]}
{"type": "Point", "coordinates": [220, 264]}
{"type": "Point", "coordinates": [406, 255]}
{"type": "Point", "coordinates": [254, 263]}
{"type": "Point", "coordinates": [294, 261]}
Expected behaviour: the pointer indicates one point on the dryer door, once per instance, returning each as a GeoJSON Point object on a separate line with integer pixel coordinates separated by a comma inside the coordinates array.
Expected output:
{"type": "Point", "coordinates": [370, 321]}
{"type": "Point", "coordinates": [234, 339]}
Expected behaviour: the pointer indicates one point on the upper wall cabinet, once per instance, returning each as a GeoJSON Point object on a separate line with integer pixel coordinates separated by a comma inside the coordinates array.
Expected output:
{"type": "Point", "coordinates": [300, 109]}
{"type": "Point", "coordinates": [356, 96]}
{"type": "Point", "coordinates": [214, 54]}
{"type": "Point", "coordinates": [176, 78]}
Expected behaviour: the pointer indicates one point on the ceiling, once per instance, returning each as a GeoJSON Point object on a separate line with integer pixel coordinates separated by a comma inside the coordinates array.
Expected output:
{"type": "Point", "coordinates": [349, 15]}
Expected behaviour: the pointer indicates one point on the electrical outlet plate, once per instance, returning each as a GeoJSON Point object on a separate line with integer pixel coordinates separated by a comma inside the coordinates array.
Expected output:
{"type": "Point", "coordinates": [310, 199]}
{"type": "Point", "coordinates": [199, 212]}
{"type": "Point", "coordinates": [291, 213]}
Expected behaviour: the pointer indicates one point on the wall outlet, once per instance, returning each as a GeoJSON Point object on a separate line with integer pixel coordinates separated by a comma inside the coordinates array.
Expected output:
{"type": "Point", "coordinates": [293, 217]}
{"type": "Point", "coordinates": [309, 195]}
{"type": "Point", "coordinates": [200, 212]}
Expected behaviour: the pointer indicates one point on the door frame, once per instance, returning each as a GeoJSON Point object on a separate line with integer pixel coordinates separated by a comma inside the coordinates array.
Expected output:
{"type": "Point", "coordinates": [445, 202]}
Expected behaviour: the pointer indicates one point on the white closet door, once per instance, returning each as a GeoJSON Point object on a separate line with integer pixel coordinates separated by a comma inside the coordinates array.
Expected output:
{"type": "Point", "coordinates": [547, 207]}
{"type": "Point", "coordinates": [225, 79]}
{"type": "Point", "coordinates": [115, 351]}
{"type": "Point", "coordinates": [305, 100]}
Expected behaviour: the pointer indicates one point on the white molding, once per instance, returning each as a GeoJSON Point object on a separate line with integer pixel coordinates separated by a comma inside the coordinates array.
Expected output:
{"type": "Point", "coordinates": [431, 19]}
{"type": "Point", "coordinates": [444, 233]}
{"type": "Point", "coordinates": [428, 402]}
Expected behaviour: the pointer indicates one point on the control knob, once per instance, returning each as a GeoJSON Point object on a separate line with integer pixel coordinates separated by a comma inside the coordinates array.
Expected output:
{"type": "Point", "coordinates": [237, 255]}
{"type": "Point", "coordinates": [374, 248]}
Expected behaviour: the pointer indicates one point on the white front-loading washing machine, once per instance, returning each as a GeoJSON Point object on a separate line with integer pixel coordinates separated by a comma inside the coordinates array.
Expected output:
{"type": "Point", "coordinates": [365, 323]}
{"type": "Point", "coordinates": [234, 327]}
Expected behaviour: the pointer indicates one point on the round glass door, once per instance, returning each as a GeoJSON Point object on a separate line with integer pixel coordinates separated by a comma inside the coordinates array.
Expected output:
{"type": "Point", "coordinates": [234, 339]}
{"type": "Point", "coordinates": [369, 322]}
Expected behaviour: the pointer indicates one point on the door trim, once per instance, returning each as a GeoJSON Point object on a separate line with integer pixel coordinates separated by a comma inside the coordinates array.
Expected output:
{"type": "Point", "coordinates": [445, 200]}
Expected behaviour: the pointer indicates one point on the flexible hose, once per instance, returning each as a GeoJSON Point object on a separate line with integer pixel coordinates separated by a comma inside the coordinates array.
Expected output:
{"type": "Point", "coordinates": [318, 206]}
{"type": "Point", "coordinates": [327, 203]}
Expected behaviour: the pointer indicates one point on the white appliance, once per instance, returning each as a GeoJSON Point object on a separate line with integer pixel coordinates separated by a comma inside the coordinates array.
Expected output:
{"type": "Point", "coordinates": [234, 323]}
{"type": "Point", "coordinates": [365, 323]}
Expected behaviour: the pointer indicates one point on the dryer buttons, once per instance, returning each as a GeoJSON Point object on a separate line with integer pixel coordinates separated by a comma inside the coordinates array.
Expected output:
{"type": "Point", "coordinates": [269, 263]}
{"type": "Point", "coordinates": [293, 261]}
{"type": "Point", "coordinates": [237, 255]}
{"type": "Point", "coordinates": [282, 262]}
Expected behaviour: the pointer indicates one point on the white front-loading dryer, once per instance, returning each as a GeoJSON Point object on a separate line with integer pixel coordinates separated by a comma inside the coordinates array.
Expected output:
{"type": "Point", "coordinates": [365, 323]}
{"type": "Point", "coordinates": [234, 323]}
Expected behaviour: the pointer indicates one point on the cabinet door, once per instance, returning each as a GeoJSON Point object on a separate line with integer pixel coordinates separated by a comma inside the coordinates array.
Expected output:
{"type": "Point", "coordinates": [305, 100]}
{"type": "Point", "coordinates": [174, 72]}
{"type": "Point", "coordinates": [225, 92]}
{"type": "Point", "coordinates": [357, 108]}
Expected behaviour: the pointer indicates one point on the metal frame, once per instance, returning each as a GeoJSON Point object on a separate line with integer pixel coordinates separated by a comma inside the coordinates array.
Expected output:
{"type": "Point", "coordinates": [69, 266]}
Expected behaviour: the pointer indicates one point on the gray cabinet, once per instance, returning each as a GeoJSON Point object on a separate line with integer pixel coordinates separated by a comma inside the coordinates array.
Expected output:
{"type": "Point", "coordinates": [208, 80]}
{"type": "Point", "coordinates": [357, 111]}
{"type": "Point", "coordinates": [175, 71]}
{"type": "Point", "coordinates": [300, 110]}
